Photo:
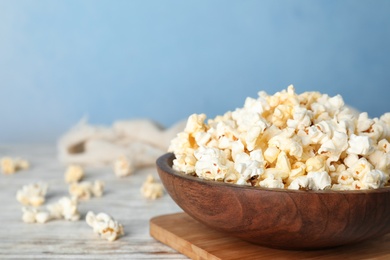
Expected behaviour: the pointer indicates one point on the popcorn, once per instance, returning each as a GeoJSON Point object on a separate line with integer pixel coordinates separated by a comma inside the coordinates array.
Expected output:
{"type": "Point", "coordinates": [85, 190]}
{"type": "Point", "coordinates": [298, 169]}
{"type": "Point", "coordinates": [32, 194]}
{"type": "Point", "coordinates": [195, 123]}
{"type": "Point", "coordinates": [65, 208]}
{"type": "Point", "coordinates": [346, 178]}
{"type": "Point", "coordinates": [11, 165]}
{"type": "Point", "coordinates": [374, 179]}
{"type": "Point", "coordinates": [286, 141]}
{"type": "Point", "coordinates": [74, 173]}
{"type": "Point", "coordinates": [312, 181]}
{"type": "Point", "coordinates": [360, 145]}
{"type": "Point", "coordinates": [123, 167]}
{"type": "Point", "coordinates": [32, 215]}
{"type": "Point", "coordinates": [380, 160]}
{"type": "Point", "coordinates": [360, 168]}
{"type": "Point", "coordinates": [358, 185]}
{"type": "Point", "coordinates": [104, 225]}
{"type": "Point", "coordinates": [300, 183]}
{"type": "Point", "coordinates": [301, 118]}
{"type": "Point", "coordinates": [211, 164]}
{"type": "Point", "coordinates": [283, 163]}
{"type": "Point", "coordinates": [151, 189]}
{"type": "Point", "coordinates": [271, 154]}
{"type": "Point", "coordinates": [296, 141]}
{"type": "Point", "coordinates": [315, 164]}
{"type": "Point", "coordinates": [271, 182]}
{"type": "Point", "coordinates": [249, 166]}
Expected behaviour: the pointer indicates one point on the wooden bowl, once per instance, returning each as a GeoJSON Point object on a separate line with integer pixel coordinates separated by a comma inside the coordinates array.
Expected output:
{"type": "Point", "coordinates": [278, 218]}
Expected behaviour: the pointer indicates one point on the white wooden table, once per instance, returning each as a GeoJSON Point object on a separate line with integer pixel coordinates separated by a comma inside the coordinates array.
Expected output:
{"type": "Point", "coordinates": [61, 239]}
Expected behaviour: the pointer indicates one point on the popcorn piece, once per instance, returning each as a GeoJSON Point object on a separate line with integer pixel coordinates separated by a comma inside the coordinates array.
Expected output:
{"type": "Point", "coordinates": [104, 225]}
{"type": "Point", "coordinates": [384, 146]}
{"type": "Point", "coordinates": [358, 185]}
{"type": "Point", "coordinates": [364, 123]}
{"type": "Point", "coordinates": [271, 154]}
{"type": "Point", "coordinates": [360, 145]}
{"type": "Point", "coordinates": [271, 182]}
{"type": "Point", "coordinates": [283, 163]}
{"type": "Point", "coordinates": [32, 215]}
{"type": "Point", "coordinates": [297, 169]}
{"type": "Point", "coordinates": [11, 165]}
{"type": "Point", "coordinates": [301, 118]}
{"type": "Point", "coordinates": [380, 160]}
{"type": "Point", "coordinates": [360, 168]}
{"type": "Point", "coordinates": [300, 183]}
{"type": "Point", "coordinates": [351, 159]}
{"type": "Point", "coordinates": [195, 123]}
{"type": "Point", "coordinates": [151, 189]}
{"type": "Point", "coordinates": [74, 173]}
{"type": "Point", "coordinates": [212, 163]}
{"type": "Point", "coordinates": [319, 180]}
{"type": "Point", "coordinates": [249, 166]}
{"type": "Point", "coordinates": [374, 179]}
{"type": "Point", "coordinates": [65, 208]}
{"type": "Point", "coordinates": [250, 124]}
{"type": "Point", "coordinates": [286, 141]}
{"type": "Point", "coordinates": [32, 194]}
{"type": "Point", "coordinates": [312, 181]}
{"type": "Point", "coordinates": [85, 190]}
{"type": "Point", "coordinates": [231, 177]}
{"type": "Point", "coordinates": [183, 146]}
{"type": "Point", "coordinates": [346, 178]}
{"type": "Point", "coordinates": [315, 164]}
{"type": "Point", "coordinates": [123, 167]}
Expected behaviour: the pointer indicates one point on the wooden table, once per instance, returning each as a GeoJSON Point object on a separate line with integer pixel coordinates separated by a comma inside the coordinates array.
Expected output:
{"type": "Point", "coordinates": [75, 240]}
{"type": "Point", "coordinates": [122, 199]}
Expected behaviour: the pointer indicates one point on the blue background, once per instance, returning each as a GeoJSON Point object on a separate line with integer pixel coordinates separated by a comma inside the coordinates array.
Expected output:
{"type": "Point", "coordinates": [164, 60]}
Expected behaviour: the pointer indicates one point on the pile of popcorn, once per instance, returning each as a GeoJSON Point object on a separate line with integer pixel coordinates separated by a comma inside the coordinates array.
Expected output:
{"type": "Point", "coordinates": [307, 141]}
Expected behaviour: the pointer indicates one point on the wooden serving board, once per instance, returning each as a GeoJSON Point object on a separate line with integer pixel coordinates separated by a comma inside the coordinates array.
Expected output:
{"type": "Point", "coordinates": [195, 240]}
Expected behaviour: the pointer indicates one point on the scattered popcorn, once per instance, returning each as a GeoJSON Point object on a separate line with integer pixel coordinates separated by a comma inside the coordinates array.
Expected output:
{"type": "Point", "coordinates": [66, 208]}
{"type": "Point", "coordinates": [33, 215]}
{"type": "Point", "coordinates": [151, 189]}
{"type": "Point", "coordinates": [32, 194]}
{"type": "Point", "coordinates": [104, 225]}
{"type": "Point", "coordinates": [123, 167]}
{"type": "Point", "coordinates": [74, 173]}
{"type": "Point", "coordinates": [85, 190]}
{"type": "Point", "coordinates": [11, 165]}
{"type": "Point", "coordinates": [307, 141]}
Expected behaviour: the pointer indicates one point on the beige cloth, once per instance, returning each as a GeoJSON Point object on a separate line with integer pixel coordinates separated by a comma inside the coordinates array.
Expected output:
{"type": "Point", "coordinates": [140, 140]}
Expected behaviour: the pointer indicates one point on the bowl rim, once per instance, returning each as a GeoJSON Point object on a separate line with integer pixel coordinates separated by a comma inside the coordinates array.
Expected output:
{"type": "Point", "coordinates": [163, 163]}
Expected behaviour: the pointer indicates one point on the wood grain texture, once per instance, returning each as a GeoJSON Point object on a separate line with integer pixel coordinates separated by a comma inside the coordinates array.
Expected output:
{"type": "Point", "coordinates": [75, 240]}
{"type": "Point", "coordinates": [280, 218]}
{"type": "Point", "coordinates": [197, 241]}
